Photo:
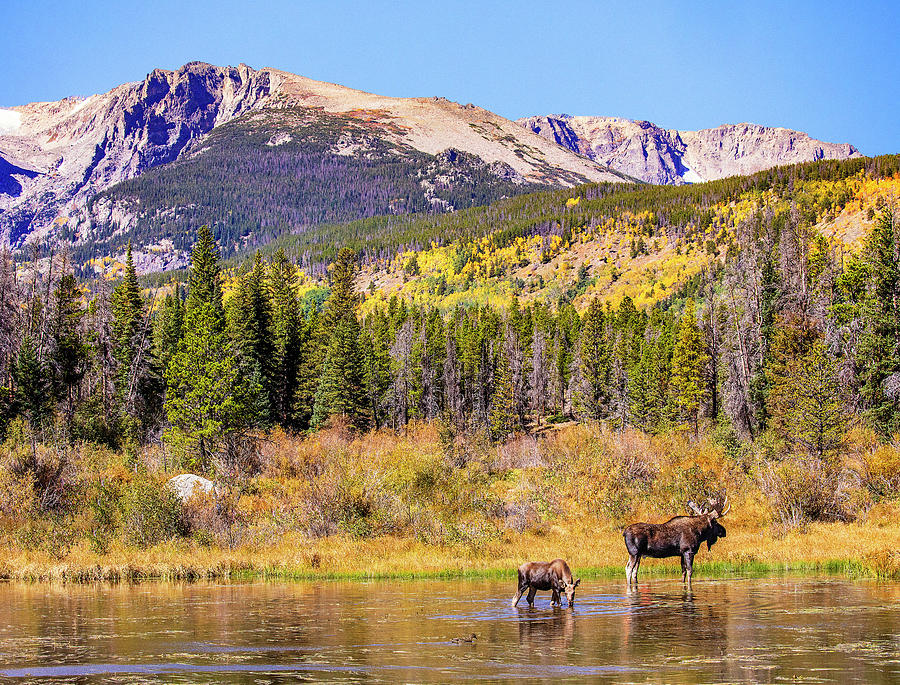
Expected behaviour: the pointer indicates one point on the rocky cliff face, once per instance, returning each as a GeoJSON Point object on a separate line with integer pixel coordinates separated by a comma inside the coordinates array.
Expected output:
{"type": "Point", "coordinates": [55, 156]}
{"type": "Point", "coordinates": [656, 155]}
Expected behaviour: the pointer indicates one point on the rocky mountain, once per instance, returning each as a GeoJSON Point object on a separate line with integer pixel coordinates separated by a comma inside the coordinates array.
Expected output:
{"type": "Point", "coordinates": [59, 159]}
{"type": "Point", "coordinates": [666, 156]}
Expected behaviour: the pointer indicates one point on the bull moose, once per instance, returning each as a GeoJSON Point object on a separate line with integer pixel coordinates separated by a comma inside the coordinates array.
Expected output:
{"type": "Point", "coordinates": [546, 575]}
{"type": "Point", "coordinates": [679, 536]}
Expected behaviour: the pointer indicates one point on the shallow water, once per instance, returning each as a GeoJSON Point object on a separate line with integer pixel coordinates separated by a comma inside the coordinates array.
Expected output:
{"type": "Point", "coordinates": [736, 630]}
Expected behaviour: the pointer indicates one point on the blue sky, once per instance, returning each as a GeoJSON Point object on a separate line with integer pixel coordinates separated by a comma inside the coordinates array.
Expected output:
{"type": "Point", "coordinates": [828, 68]}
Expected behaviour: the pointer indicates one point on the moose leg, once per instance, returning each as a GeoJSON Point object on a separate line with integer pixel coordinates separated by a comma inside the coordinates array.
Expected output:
{"type": "Point", "coordinates": [683, 570]}
{"type": "Point", "coordinates": [688, 562]}
{"type": "Point", "coordinates": [530, 598]}
{"type": "Point", "coordinates": [519, 592]}
{"type": "Point", "coordinates": [554, 599]}
{"type": "Point", "coordinates": [628, 569]}
{"type": "Point", "coordinates": [634, 568]}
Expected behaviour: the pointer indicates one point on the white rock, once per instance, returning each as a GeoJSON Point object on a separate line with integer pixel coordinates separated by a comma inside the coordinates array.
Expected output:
{"type": "Point", "coordinates": [187, 484]}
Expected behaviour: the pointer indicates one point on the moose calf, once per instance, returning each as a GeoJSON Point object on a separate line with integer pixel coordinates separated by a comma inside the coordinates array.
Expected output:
{"type": "Point", "coordinates": [543, 575]}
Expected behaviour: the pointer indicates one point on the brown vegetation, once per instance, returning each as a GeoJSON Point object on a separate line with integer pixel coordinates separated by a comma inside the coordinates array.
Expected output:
{"type": "Point", "coordinates": [425, 502]}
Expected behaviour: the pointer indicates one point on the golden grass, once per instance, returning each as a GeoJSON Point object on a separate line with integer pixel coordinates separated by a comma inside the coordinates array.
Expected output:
{"type": "Point", "coordinates": [414, 506]}
{"type": "Point", "coordinates": [593, 549]}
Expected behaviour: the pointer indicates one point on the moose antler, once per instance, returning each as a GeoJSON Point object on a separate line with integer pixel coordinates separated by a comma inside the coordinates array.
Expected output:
{"type": "Point", "coordinates": [694, 508]}
{"type": "Point", "coordinates": [726, 508]}
{"type": "Point", "coordinates": [719, 507]}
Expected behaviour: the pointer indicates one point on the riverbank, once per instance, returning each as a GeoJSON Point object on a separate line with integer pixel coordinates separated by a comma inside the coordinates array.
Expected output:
{"type": "Point", "coordinates": [853, 550]}
{"type": "Point", "coordinates": [336, 504]}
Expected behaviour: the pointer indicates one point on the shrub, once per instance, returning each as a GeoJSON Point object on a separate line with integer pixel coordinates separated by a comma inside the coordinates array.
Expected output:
{"type": "Point", "coordinates": [104, 503]}
{"type": "Point", "coordinates": [51, 534]}
{"type": "Point", "coordinates": [214, 518]}
{"type": "Point", "coordinates": [151, 513]}
{"type": "Point", "coordinates": [726, 436]}
{"type": "Point", "coordinates": [880, 471]}
{"type": "Point", "coordinates": [519, 453]}
{"type": "Point", "coordinates": [16, 496]}
{"type": "Point", "coordinates": [805, 489]}
{"type": "Point", "coordinates": [89, 423]}
{"type": "Point", "coordinates": [51, 472]}
{"type": "Point", "coordinates": [610, 471]}
{"type": "Point", "coordinates": [693, 483]}
{"type": "Point", "coordinates": [240, 458]}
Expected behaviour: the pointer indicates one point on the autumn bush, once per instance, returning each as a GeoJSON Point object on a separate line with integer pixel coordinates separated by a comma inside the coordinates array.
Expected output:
{"type": "Point", "coordinates": [150, 512]}
{"type": "Point", "coordinates": [50, 472]}
{"type": "Point", "coordinates": [803, 489]}
{"type": "Point", "coordinates": [214, 519]}
{"type": "Point", "coordinates": [880, 471]}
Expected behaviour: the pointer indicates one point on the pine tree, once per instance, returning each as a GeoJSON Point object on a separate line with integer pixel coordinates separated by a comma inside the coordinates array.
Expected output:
{"type": "Point", "coordinates": [648, 383]}
{"type": "Point", "coordinates": [377, 366]}
{"type": "Point", "coordinates": [203, 395]}
{"type": "Point", "coordinates": [313, 342]}
{"type": "Point", "coordinates": [454, 401]}
{"type": "Point", "coordinates": [206, 280]}
{"type": "Point", "coordinates": [128, 324]}
{"type": "Point", "coordinates": [253, 338]}
{"type": "Point", "coordinates": [70, 355]}
{"type": "Point", "coordinates": [32, 385]}
{"type": "Point", "coordinates": [809, 408]}
{"type": "Point", "coordinates": [287, 338]}
{"type": "Point", "coordinates": [341, 389]}
{"type": "Point", "coordinates": [595, 363]}
{"type": "Point", "coordinates": [503, 400]}
{"type": "Point", "coordinates": [168, 329]}
{"type": "Point", "coordinates": [880, 346]}
{"type": "Point", "coordinates": [202, 401]}
{"type": "Point", "coordinates": [434, 351]}
{"type": "Point", "coordinates": [689, 360]}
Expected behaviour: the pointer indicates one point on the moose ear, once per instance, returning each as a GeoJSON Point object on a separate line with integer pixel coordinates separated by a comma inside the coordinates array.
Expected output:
{"type": "Point", "coordinates": [576, 582]}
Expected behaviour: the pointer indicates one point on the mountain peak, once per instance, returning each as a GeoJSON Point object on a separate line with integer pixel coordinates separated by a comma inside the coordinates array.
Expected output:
{"type": "Point", "coordinates": [73, 149]}
{"type": "Point", "coordinates": [669, 156]}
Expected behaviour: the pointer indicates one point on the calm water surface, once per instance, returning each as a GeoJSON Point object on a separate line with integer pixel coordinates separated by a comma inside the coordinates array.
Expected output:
{"type": "Point", "coordinates": [809, 630]}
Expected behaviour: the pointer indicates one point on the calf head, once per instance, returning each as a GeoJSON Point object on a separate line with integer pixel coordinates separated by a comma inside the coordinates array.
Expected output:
{"type": "Point", "coordinates": [569, 589]}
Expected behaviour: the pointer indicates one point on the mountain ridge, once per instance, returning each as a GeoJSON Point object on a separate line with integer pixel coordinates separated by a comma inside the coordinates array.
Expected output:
{"type": "Point", "coordinates": [78, 147]}
{"type": "Point", "coordinates": [259, 152]}
{"type": "Point", "coordinates": [661, 156]}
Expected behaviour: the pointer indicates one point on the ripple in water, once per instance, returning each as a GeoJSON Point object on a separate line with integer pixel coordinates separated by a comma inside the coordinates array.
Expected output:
{"type": "Point", "coordinates": [806, 629]}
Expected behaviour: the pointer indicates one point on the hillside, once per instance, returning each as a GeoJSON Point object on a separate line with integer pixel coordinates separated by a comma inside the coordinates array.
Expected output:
{"type": "Point", "coordinates": [56, 157]}
{"type": "Point", "coordinates": [608, 240]}
{"type": "Point", "coordinates": [667, 156]}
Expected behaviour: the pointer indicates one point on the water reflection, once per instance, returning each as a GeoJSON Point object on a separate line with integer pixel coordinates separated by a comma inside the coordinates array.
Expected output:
{"type": "Point", "coordinates": [540, 629]}
{"type": "Point", "coordinates": [762, 630]}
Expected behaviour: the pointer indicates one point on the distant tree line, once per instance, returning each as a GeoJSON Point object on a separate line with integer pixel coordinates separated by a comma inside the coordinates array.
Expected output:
{"type": "Point", "coordinates": [791, 336]}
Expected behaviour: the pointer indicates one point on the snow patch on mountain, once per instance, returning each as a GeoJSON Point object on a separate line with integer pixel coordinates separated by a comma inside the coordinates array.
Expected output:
{"type": "Point", "coordinates": [691, 176]}
{"type": "Point", "coordinates": [10, 122]}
